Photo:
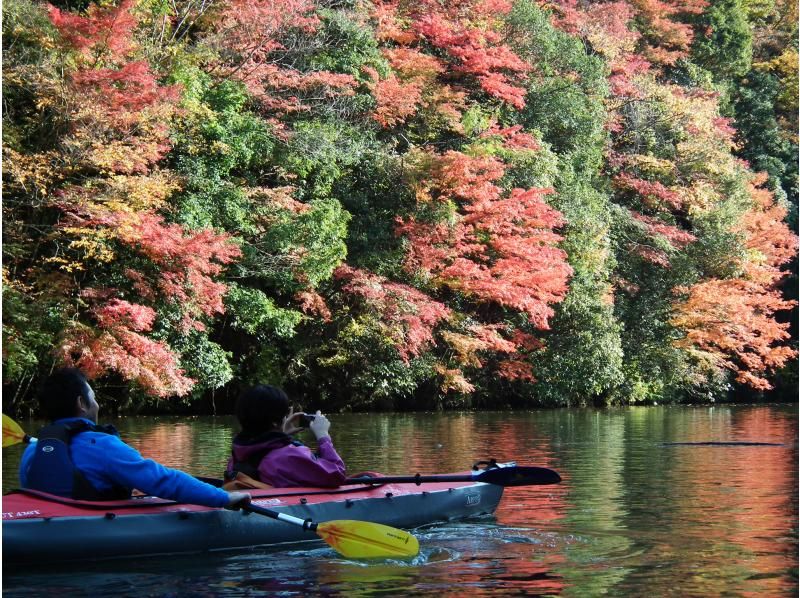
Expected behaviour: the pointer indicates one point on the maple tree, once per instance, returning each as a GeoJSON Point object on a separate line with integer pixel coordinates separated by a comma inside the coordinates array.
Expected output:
{"type": "Point", "coordinates": [500, 249]}
{"type": "Point", "coordinates": [730, 323]}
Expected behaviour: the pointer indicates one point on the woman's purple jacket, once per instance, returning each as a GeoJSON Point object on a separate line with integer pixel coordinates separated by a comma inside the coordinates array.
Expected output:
{"type": "Point", "coordinates": [288, 464]}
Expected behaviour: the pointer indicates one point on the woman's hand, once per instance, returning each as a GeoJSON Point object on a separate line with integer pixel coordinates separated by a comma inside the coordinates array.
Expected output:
{"type": "Point", "coordinates": [320, 425]}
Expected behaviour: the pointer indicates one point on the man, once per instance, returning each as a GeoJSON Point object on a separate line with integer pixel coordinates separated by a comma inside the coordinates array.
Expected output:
{"type": "Point", "coordinates": [76, 458]}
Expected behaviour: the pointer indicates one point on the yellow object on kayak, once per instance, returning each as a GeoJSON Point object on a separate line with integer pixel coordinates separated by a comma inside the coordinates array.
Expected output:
{"type": "Point", "coordinates": [363, 539]}
{"type": "Point", "coordinates": [12, 432]}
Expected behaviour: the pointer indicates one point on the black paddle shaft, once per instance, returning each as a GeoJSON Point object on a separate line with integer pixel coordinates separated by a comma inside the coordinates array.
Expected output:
{"type": "Point", "coordinates": [501, 476]}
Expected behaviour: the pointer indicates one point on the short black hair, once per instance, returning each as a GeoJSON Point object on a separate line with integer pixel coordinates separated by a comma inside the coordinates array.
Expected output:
{"type": "Point", "coordinates": [260, 409]}
{"type": "Point", "coordinates": [58, 392]}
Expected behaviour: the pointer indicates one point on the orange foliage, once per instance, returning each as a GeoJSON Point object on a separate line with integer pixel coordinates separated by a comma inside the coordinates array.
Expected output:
{"type": "Point", "coordinates": [731, 323]}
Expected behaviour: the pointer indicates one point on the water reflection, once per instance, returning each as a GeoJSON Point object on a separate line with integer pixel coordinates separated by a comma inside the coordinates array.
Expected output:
{"type": "Point", "coordinates": [633, 516]}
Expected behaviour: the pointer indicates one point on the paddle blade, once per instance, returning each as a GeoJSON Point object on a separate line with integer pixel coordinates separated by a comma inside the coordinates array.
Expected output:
{"type": "Point", "coordinates": [12, 433]}
{"type": "Point", "coordinates": [519, 476]}
{"type": "Point", "coordinates": [363, 539]}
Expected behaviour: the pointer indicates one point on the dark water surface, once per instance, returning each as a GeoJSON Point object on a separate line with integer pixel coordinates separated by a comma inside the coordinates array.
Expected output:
{"type": "Point", "coordinates": [634, 516]}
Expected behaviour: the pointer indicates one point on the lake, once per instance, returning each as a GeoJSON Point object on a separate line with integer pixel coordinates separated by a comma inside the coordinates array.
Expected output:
{"type": "Point", "coordinates": [634, 515]}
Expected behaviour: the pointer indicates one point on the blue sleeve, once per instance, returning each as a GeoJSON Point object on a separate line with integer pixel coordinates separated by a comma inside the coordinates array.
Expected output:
{"type": "Point", "coordinates": [127, 467]}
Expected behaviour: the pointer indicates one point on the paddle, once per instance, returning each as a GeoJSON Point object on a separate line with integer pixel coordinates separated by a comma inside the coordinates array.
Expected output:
{"type": "Point", "coordinates": [352, 539]}
{"type": "Point", "coordinates": [13, 433]}
{"type": "Point", "coordinates": [510, 475]}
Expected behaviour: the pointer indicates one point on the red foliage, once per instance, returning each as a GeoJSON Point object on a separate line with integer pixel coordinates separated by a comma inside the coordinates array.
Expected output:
{"type": "Point", "coordinates": [733, 321]}
{"type": "Point", "coordinates": [724, 127]}
{"type": "Point", "coordinates": [104, 31]}
{"type": "Point", "coordinates": [623, 70]}
{"type": "Point", "coordinates": [677, 237]}
{"type": "Point", "coordinates": [513, 138]}
{"type": "Point", "coordinates": [516, 369]}
{"type": "Point", "coordinates": [253, 33]}
{"type": "Point", "coordinates": [312, 302]}
{"type": "Point", "coordinates": [661, 34]}
{"type": "Point", "coordinates": [117, 312]}
{"type": "Point", "coordinates": [478, 53]}
{"type": "Point", "coordinates": [652, 193]}
{"type": "Point", "coordinates": [187, 262]}
{"type": "Point", "coordinates": [121, 94]}
{"type": "Point", "coordinates": [766, 234]}
{"type": "Point", "coordinates": [667, 39]}
{"type": "Point", "coordinates": [116, 346]}
{"type": "Point", "coordinates": [118, 110]}
{"type": "Point", "coordinates": [497, 249]}
{"type": "Point", "coordinates": [409, 315]}
{"type": "Point", "coordinates": [467, 31]}
{"type": "Point", "coordinates": [396, 100]}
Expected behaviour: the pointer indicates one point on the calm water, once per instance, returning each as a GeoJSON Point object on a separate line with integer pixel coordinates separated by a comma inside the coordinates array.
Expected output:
{"type": "Point", "coordinates": [633, 516]}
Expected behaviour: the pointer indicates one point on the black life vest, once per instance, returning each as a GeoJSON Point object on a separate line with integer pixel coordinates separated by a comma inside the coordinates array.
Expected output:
{"type": "Point", "coordinates": [52, 469]}
{"type": "Point", "coordinates": [249, 466]}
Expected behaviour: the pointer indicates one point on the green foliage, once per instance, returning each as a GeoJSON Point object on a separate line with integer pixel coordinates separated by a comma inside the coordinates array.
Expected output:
{"type": "Point", "coordinates": [374, 194]}
{"type": "Point", "coordinates": [565, 100]}
{"type": "Point", "coordinates": [257, 314]}
{"type": "Point", "coordinates": [205, 361]}
{"type": "Point", "coordinates": [583, 356]}
{"type": "Point", "coordinates": [30, 330]}
{"type": "Point", "coordinates": [298, 250]}
{"type": "Point", "coordinates": [219, 147]}
{"type": "Point", "coordinates": [723, 41]}
{"type": "Point", "coordinates": [766, 146]}
{"type": "Point", "coordinates": [319, 153]}
{"type": "Point", "coordinates": [352, 365]}
{"type": "Point", "coordinates": [348, 45]}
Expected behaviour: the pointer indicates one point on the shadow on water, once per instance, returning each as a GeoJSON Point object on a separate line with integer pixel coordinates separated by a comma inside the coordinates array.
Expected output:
{"type": "Point", "coordinates": [654, 501]}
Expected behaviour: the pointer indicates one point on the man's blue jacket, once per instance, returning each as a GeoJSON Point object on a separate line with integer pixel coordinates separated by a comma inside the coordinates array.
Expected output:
{"type": "Point", "coordinates": [106, 461]}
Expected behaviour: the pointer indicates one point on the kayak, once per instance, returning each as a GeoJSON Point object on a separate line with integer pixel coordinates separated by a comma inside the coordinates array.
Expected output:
{"type": "Point", "coordinates": [43, 528]}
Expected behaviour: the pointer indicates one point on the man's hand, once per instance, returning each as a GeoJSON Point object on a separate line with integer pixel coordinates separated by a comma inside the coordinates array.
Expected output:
{"type": "Point", "coordinates": [237, 500]}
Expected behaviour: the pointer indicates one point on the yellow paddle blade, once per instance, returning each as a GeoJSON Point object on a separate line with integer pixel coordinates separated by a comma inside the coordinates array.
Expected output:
{"type": "Point", "coordinates": [363, 539]}
{"type": "Point", "coordinates": [12, 433]}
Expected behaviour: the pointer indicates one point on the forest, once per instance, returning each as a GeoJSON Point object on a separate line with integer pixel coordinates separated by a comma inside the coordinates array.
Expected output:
{"type": "Point", "coordinates": [393, 204]}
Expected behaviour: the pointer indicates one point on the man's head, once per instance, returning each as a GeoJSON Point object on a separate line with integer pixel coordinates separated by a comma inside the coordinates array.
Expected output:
{"type": "Point", "coordinates": [66, 393]}
{"type": "Point", "coordinates": [261, 409]}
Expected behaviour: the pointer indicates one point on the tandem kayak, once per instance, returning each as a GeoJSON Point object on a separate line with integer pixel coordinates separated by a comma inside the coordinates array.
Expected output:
{"type": "Point", "coordinates": [43, 528]}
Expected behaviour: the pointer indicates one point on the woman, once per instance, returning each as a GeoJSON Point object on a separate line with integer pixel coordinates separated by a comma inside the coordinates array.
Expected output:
{"type": "Point", "coordinates": [265, 450]}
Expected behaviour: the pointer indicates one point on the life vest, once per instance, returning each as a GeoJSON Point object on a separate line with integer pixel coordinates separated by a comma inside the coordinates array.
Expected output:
{"type": "Point", "coordinates": [249, 466]}
{"type": "Point", "coordinates": [52, 469]}
{"type": "Point", "coordinates": [236, 480]}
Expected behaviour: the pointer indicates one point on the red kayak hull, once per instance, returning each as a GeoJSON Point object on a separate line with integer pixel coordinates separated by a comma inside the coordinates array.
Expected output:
{"type": "Point", "coordinates": [38, 528]}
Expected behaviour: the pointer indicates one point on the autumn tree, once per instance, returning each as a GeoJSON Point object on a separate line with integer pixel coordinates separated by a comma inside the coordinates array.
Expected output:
{"type": "Point", "coordinates": [104, 256]}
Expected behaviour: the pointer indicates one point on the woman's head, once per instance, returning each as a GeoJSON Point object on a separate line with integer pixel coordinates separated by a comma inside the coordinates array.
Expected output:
{"type": "Point", "coordinates": [261, 409]}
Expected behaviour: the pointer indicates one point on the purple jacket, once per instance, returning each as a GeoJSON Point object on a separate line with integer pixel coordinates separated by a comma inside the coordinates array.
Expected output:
{"type": "Point", "coordinates": [290, 463]}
